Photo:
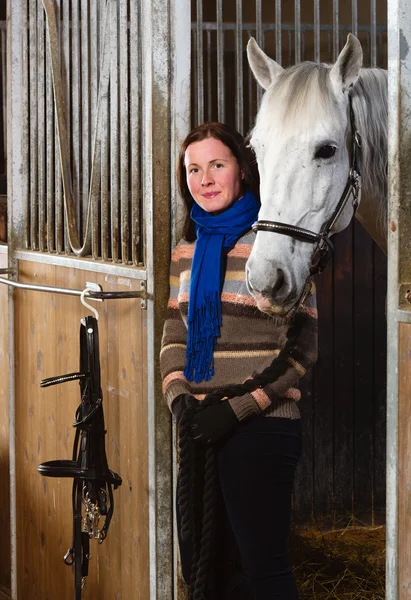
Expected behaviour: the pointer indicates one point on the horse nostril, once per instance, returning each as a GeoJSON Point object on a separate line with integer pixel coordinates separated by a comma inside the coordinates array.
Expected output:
{"type": "Point", "coordinates": [279, 283]}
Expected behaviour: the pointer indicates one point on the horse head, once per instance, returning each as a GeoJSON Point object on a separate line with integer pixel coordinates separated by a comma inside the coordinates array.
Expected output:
{"type": "Point", "coordinates": [303, 143]}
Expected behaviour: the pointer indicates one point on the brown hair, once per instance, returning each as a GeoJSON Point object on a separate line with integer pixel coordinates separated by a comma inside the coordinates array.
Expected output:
{"type": "Point", "coordinates": [242, 153]}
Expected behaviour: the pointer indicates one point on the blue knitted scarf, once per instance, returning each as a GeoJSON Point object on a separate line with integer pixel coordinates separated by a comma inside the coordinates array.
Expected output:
{"type": "Point", "coordinates": [216, 235]}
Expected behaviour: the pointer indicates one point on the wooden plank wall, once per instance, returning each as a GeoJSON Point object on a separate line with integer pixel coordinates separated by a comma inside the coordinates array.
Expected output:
{"type": "Point", "coordinates": [4, 439]}
{"type": "Point", "coordinates": [47, 330]}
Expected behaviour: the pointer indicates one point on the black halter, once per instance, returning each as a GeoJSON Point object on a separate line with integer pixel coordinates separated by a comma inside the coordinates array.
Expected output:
{"type": "Point", "coordinates": [322, 239]}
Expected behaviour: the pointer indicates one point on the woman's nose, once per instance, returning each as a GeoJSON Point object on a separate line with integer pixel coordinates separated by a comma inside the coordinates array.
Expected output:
{"type": "Point", "coordinates": [207, 179]}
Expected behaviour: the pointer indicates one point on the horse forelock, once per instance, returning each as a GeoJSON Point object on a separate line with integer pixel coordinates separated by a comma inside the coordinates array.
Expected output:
{"type": "Point", "coordinates": [302, 92]}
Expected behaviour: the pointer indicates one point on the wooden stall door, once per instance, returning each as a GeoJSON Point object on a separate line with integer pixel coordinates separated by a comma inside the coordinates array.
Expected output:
{"type": "Point", "coordinates": [47, 344]}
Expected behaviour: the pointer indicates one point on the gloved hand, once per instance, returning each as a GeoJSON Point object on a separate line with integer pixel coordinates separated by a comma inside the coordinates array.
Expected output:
{"type": "Point", "coordinates": [214, 423]}
{"type": "Point", "coordinates": [180, 404]}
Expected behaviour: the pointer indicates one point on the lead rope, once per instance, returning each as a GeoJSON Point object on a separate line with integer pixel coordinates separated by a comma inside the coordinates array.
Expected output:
{"type": "Point", "coordinates": [199, 521]}
{"type": "Point", "coordinates": [51, 20]}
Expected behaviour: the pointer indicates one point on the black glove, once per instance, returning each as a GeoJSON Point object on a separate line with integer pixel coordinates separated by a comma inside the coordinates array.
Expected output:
{"type": "Point", "coordinates": [180, 403]}
{"type": "Point", "coordinates": [214, 423]}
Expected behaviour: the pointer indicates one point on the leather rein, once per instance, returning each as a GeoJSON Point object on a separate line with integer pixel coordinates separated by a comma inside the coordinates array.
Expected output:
{"type": "Point", "coordinates": [324, 246]}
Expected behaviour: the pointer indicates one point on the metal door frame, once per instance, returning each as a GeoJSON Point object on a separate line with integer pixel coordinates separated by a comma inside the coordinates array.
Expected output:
{"type": "Point", "coordinates": [399, 263]}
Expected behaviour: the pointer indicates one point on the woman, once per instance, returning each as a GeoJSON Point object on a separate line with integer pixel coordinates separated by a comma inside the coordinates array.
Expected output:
{"type": "Point", "coordinates": [215, 336]}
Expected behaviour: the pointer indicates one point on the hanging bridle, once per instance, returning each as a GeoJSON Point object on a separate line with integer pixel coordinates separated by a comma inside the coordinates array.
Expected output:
{"type": "Point", "coordinates": [324, 248]}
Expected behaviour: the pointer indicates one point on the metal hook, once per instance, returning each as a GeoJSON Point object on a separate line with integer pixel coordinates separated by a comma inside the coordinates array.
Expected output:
{"type": "Point", "coordinates": [84, 303]}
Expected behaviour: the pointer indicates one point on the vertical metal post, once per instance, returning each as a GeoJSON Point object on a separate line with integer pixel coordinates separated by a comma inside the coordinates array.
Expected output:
{"type": "Point", "coordinates": [17, 193]}
{"type": "Point", "coordinates": [398, 310]}
{"type": "Point", "coordinates": [40, 146]}
{"type": "Point", "coordinates": [354, 11]}
{"type": "Point", "coordinates": [260, 39]}
{"type": "Point", "coordinates": [297, 25]}
{"type": "Point", "coordinates": [317, 45]}
{"type": "Point", "coordinates": [278, 40]}
{"type": "Point", "coordinates": [336, 27]}
{"type": "Point", "coordinates": [239, 66]}
{"type": "Point", "coordinates": [57, 171]}
{"type": "Point", "coordinates": [76, 104]}
{"type": "Point", "coordinates": [200, 63]}
{"type": "Point", "coordinates": [220, 63]}
{"type": "Point", "coordinates": [135, 77]}
{"type": "Point", "coordinates": [124, 121]}
{"type": "Point", "coordinates": [373, 54]}
{"type": "Point", "coordinates": [114, 130]}
{"type": "Point", "coordinates": [33, 78]}
{"type": "Point", "coordinates": [156, 148]}
{"type": "Point", "coordinates": [180, 43]}
{"type": "Point", "coordinates": [86, 75]}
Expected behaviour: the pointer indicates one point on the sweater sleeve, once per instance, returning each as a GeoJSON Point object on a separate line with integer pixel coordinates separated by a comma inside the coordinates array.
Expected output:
{"type": "Point", "coordinates": [174, 340]}
{"type": "Point", "coordinates": [300, 361]}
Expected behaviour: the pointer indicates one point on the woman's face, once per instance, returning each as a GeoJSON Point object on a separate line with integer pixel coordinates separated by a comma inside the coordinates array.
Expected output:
{"type": "Point", "coordinates": [213, 175]}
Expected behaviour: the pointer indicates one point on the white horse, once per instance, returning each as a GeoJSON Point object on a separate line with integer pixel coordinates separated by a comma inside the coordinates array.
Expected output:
{"type": "Point", "coordinates": [304, 145]}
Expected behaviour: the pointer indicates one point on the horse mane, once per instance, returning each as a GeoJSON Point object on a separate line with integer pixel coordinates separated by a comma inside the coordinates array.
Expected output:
{"type": "Point", "coordinates": [370, 105]}
{"type": "Point", "coordinates": [304, 90]}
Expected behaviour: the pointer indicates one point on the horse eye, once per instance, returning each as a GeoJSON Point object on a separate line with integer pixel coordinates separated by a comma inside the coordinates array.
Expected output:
{"type": "Point", "coordinates": [325, 152]}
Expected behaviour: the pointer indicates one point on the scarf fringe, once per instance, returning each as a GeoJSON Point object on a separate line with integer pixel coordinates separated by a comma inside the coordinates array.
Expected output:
{"type": "Point", "coordinates": [203, 331]}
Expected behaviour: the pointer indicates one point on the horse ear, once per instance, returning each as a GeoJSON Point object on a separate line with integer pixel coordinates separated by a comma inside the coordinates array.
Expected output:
{"type": "Point", "coordinates": [345, 71]}
{"type": "Point", "coordinates": [265, 69]}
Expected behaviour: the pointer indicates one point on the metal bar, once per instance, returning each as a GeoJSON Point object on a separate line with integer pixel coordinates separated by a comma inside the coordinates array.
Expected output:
{"type": "Point", "coordinates": [251, 107]}
{"type": "Point", "coordinates": [25, 105]}
{"type": "Point", "coordinates": [82, 264]}
{"type": "Point", "coordinates": [209, 78]}
{"type": "Point", "coordinates": [76, 106]}
{"type": "Point", "coordinates": [124, 121]}
{"type": "Point", "coordinates": [85, 136]}
{"type": "Point", "coordinates": [181, 100]}
{"type": "Point", "coordinates": [238, 67]}
{"type": "Point", "coordinates": [41, 137]}
{"type": "Point", "coordinates": [260, 40]}
{"type": "Point", "coordinates": [50, 186]}
{"type": "Point", "coordinates": [354, 12]}
{"type": "Point", "coordinates": [71, 292]}
{"type": "Point", "coordinates": [135, 139]}
{"type": "Point", "coordinates": [305, 27]}
{"type": "Point", "coordinates": [104, 161]}
{"type": "Point", "coordinates": [336, 28]}
{"type": "Point", "coordinates": [220, 63]}
{"type": "Point", "coordinates": [58, 184]}
{"type": "Point", "coordinates": [317, 41]}
{"type": "Point", "coordinates": [297, 22]}
{"type": "Point", "coordinates": [66, 73]}
{"type": "Point", "coordinates": [114, 137]}
{"type": "Point", "coordinates": [94, 74]}
{"type": "Point", "coordinates": [278, 40]}
{"type": "Point", "coordinates": [200, 64]}
{"type": "Point", "coordinates": [373, 58]}
{"type": "Point", "coordinates": [4, 88]}
{"type": "Point", "coordinates": [259, 23]}
{"type": "Point", "coordinates": [33, 124]}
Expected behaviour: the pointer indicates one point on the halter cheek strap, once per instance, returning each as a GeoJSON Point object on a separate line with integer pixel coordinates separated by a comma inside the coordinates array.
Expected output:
{"type": "Point", "coordinates": [324, 247]}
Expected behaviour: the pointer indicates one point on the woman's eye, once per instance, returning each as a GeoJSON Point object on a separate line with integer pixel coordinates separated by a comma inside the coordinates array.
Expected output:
{"type": "Point", "coordinates": [327, 151]}
{"type": "Point", "coordinates": [218, 165]}
{"type": "Point", "coordinates": [193, 170]}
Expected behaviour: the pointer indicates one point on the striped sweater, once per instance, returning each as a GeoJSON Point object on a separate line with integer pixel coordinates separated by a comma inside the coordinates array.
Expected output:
{"type": "Point", "coordinates": [249, 340]}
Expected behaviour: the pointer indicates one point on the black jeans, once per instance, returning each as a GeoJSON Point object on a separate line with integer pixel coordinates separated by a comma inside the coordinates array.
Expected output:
{"type": "Point", "coordinates": [256, 469]}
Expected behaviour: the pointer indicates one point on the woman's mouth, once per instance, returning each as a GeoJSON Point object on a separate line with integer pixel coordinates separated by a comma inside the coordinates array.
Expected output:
{"type": "Point", "coordinates": [210, 195]}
